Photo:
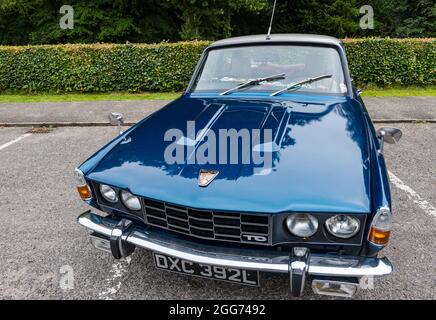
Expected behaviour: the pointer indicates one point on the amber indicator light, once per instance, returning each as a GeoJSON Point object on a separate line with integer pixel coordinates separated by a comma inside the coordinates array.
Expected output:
{"type": "Point", "coordinates": [379, 237]}
{"type": "Point", "coordinates": [84, 192]}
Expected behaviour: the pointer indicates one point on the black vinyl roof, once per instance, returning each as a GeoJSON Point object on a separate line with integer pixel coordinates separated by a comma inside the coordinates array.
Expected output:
{"type": "Point", "coordinates": [277, 38]}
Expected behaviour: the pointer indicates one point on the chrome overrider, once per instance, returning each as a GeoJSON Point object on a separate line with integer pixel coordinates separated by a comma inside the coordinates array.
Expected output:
{"type": "Point", "coordinates": [121, 236]}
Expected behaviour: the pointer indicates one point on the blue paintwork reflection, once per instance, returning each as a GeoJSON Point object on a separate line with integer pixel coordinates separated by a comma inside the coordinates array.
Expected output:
{"type": "Point", "coordinates": [321, 163]}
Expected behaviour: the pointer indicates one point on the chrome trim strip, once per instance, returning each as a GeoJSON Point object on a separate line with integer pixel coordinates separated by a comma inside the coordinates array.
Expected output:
{"type": "Point", "coordinates": [96, 223]}
{"type": "Point", "coordinates": [244, 258]}
{"type": "Point", "coordinates": [254, 224]}
{"type": "Point", "coordinates": [177, 218]}
{"type": "Point", "coordinates": [226, 226]}
{"type": "Point", "coordinates": [170, 225]}
{"type": "Point", "coordinates": [201, 228]}
{"type": "Point", "coordinates": [349, 266]}
{"type": "Point", "coordinates": [200, 219]}
{"type": "Point", "coordinates": [159, 218]}
{"type": "Point", "coordinates": [298, 266]}
{"type": "Point", "coordinates": [227, 235]}
{"type": "Point", "coordinates": [150, 241]}
{"type": "Point", "coordinates": [175, 208]}
{"type": "Point", "coordinates": [222, 216]}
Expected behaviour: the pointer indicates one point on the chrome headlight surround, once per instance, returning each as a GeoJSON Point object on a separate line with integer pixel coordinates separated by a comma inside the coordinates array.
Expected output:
{"type": "Point", "coordinates": [302, 225]}
{"type": "Point", "coordinates": [130, 201]}
{"type": "Point", "coordinates": [108, 193]}
{"type": "Point", "coordinates": [342, 226]}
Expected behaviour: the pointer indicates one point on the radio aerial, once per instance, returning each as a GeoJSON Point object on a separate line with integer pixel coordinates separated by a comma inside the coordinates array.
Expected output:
{"type": "Point", "coordinates": [268, 36]}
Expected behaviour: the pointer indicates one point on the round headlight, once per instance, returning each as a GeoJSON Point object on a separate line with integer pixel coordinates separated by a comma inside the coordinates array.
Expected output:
{"type": "Point", "coordinates": [302, 225]}
{"type": "Point", "coordinates": [342, 226]}
{"type": "Point", "coordinates": [130, 201]}
{"type": "Point", "coordinates": [108, 193]}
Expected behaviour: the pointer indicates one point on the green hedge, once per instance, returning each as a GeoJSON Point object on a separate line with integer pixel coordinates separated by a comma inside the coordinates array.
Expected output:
{"type": "Point", "coordinates": [99, 67]}
{"type": "Point", "coordinates": [168, 66]}
{"type": "Point", "coordinates": [392, 62]}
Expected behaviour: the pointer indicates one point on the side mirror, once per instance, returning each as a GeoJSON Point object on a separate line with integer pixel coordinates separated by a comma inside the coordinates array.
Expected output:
{"type": "Point", "coordinates": [389, 134]}
{"type": "Point", "coordinates": [359, 92]}
{"type": "Point", "coordinates": [116, 119]}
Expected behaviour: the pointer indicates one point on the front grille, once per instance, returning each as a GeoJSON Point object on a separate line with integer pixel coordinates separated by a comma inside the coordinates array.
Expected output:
{"type": "Point", "coordinates": [214, 225]}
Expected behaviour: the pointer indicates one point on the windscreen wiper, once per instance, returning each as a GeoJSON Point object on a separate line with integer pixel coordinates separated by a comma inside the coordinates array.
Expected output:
{"type": "Point", "coordinates": [300, 83]}
{"type": "Point", "coordinates": [254, 82]}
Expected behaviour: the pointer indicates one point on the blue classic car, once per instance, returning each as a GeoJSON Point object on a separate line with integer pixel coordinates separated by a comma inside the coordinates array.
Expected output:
{"type": "Point", "coordinates": [268, 162]}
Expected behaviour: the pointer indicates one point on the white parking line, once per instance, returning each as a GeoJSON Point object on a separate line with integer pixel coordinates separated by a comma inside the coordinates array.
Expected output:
{"type": "Point", "coordinates": [423, 204]}
{"type": "Point", "coordinates": [7, 144]}
{"type": "Point", "coordinates": [118, 269]}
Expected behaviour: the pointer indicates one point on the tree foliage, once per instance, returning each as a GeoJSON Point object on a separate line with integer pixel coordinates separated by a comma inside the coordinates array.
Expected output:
{"type": "Point", "coordinates": [118, 21]}
{"type": "Point", "coordinates": [403, 18]}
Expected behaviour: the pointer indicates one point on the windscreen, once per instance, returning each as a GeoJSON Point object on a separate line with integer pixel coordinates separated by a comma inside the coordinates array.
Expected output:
{"type": "Point", "coordinates": [225, 68]}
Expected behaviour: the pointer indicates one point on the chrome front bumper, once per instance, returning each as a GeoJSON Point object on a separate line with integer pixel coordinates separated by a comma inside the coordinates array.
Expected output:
{"type": "Point", "coordinates": [123, 237]}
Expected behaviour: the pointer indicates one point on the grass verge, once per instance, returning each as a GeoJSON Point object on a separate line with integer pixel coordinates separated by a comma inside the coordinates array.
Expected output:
{"type": "Point", "coordinates": [75, 97]}
{"type": "Point", "coordinates": [400, 92]}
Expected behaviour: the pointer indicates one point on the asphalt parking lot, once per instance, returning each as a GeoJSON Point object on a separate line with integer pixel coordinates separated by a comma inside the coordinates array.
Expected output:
{"type": "Point", "coordinates": [41, 240]}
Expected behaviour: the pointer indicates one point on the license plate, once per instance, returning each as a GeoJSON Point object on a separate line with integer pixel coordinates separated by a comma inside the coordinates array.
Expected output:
{"type": "Point", "coordinates": [235, 275]}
